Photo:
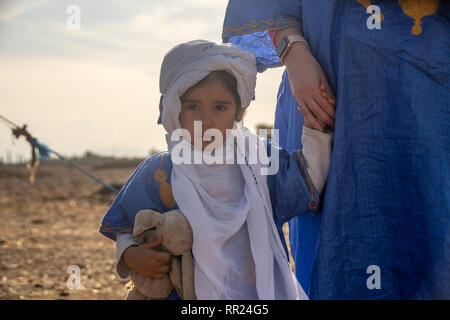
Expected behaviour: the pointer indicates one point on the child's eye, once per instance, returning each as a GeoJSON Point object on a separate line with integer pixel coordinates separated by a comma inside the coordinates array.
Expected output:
{"type": "Point", "coordinates": [191, 107]}
{"type": "Point", "coordinates": [221, 108]}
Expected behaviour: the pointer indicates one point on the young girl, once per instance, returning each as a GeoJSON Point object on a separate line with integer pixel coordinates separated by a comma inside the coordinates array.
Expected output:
{"type": "Point", "coordinates": [235, 211]}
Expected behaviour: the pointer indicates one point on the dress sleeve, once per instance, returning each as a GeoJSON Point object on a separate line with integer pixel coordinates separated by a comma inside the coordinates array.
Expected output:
{"type": "Point", "coordinates": [272, 35]}
{"type": "Point", "coordinates": [292, 192]}
{"type": "Point", "coordinates": [124, 240]}
{"type": "Point", "coordinates": [295, 189]}
{"type": "Point", "coordinates": [142, 191]}
{"type": "Point", "coordinates": [316, 150]}
{"type": "Point", "coordinates": [247, 21]}
{"type": "Point", "coordinates": [116, 220]}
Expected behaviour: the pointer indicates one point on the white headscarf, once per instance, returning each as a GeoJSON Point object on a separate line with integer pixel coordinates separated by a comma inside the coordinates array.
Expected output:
{"type": "Point", "coordinates": [220, 200]}
{"type": "Point", "coordinates": [188, 63]}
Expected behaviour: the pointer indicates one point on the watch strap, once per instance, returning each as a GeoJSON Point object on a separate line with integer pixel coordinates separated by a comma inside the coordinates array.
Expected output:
{"type": "Point", "coordinates": [286, 44]}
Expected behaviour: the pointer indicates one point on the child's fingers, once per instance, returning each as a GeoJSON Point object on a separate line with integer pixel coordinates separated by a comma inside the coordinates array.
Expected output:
{"type": "Point", "coordinates": [163, 257]}
{"type": "Point", "coordinates": [153, 243]}
{"type": "Point", "coordinates": [158, 276]}
{"type": "Point", "coordinates": [160, 272]}
{"type": "Point", "coordinates": [163, 269]}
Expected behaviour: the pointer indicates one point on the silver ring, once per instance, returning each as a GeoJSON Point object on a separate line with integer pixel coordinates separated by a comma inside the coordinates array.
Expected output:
{"type": "Point", "coordinates": [301, 107]}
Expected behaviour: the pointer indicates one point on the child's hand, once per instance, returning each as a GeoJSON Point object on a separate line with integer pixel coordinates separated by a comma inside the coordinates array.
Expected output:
{"type": "Point", "coordinates": [148, 261]}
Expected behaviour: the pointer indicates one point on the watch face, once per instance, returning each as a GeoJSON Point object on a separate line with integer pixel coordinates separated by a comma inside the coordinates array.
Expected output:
{"type": "Point", "coordinates": [282, 46]}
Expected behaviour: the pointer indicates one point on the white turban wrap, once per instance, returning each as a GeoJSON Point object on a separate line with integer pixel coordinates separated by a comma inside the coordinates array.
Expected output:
{"type": "Point", "coordinates": [237, 250]}
{"type": "Point", "coordinates": [188, 63]}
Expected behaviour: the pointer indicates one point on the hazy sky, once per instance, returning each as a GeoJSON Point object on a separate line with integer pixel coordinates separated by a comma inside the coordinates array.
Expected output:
{"type": "Point", "coordinates": [96, 88]}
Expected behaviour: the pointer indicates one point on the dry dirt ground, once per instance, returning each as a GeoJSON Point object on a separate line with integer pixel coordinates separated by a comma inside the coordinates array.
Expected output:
{"type": "Point", "coordinates": [53, 224]}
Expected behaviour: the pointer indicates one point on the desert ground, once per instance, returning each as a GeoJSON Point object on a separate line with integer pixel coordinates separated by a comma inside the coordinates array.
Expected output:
{"type": "Point", "coordinates": [52, 224]}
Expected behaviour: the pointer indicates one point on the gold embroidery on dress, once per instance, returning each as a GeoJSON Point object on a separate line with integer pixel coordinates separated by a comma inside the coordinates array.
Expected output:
{"type": "Point", "coordinates": [261, 25]}
{"type": "Point", "coordinates": [109, 228]}
{"type": "Point", "coordinates": [314, 201]}
{"type": "Point", "coordinates": [165, 189]}
{"type": "Point", "coordinates": [368, 3]}
{"type": "Point", "coordinates": [417, 9]}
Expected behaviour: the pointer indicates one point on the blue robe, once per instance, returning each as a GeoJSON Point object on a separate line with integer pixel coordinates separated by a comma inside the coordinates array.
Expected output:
{"type": "Point", "coordinates": [387, 200]}
{"type": "Point", "coordinates": [291, 194]}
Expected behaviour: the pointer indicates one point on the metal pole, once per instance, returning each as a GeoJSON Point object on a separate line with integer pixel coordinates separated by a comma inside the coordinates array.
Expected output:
{"type": "Point", "coordinates": [111, 188]}
{"type": "Point", "coordinates": [9, 121]}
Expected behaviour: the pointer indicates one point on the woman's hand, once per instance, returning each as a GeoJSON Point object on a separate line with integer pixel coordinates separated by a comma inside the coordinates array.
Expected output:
{"type": "Point", "coordinates": [147, 260]}
{"type": "Point", "coordinates": [310, 87]}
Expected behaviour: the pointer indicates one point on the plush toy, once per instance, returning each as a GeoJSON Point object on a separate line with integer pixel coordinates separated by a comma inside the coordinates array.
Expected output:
{"type": "Point", "coordinates": [177, 240]}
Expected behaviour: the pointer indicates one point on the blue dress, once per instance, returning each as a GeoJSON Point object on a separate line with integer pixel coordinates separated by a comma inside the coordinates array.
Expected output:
{"type": "Point", "coordinates": [291, 194]}
{"type": "Point", "coordinates": [387, 200]}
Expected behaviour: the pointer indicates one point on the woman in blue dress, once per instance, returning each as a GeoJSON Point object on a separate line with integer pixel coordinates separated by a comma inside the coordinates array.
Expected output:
{"type": "Point", "coordinates": [384, 229]}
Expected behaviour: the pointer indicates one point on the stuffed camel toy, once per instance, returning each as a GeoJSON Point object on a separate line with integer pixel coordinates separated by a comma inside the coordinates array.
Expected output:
{"type": "Point", "coordinates": [177, 240]}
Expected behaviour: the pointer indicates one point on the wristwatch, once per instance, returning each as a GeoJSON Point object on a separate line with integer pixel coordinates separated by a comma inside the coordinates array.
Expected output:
{"type": "Point", "coordinates": [286, 43]}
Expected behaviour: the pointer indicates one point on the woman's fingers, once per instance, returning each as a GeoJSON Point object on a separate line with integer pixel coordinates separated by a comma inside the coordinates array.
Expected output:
{"type": "Point", "coordinates": [311, 121]}
{"type": "Point", "coordinates": [327, 97]}
{"type": "Point", "coordinates": [320, 104]}
{"type": "Point", "coordinates": [327, 94]}
{"type": "Point", "coordinates": [319, 113]}
{"type": "Point", "coordinates": [330, 101]}
{"type": "Point", "coordinates": [326, 107]}
{"type": "Point", "coordinates": [324, 87]}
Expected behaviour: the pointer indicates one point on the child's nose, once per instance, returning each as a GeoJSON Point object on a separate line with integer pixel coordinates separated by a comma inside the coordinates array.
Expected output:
{"type": "Point", "coordinates": [207, 120]}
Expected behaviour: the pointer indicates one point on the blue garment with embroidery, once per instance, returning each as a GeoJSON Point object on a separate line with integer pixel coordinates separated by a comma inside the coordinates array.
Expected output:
{"type": "Point", "coordinates": [387, 200]}
{"type": "Point", "coordinates": [290, 194]}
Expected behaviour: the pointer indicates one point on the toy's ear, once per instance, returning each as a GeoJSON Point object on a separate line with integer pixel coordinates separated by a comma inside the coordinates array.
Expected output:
{"type": "Point", "coordinates": [147, 219]}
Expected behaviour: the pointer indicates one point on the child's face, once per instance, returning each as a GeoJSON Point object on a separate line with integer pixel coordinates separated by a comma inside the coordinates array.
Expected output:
{"type": "Point", "coordinates": [213, 104]}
